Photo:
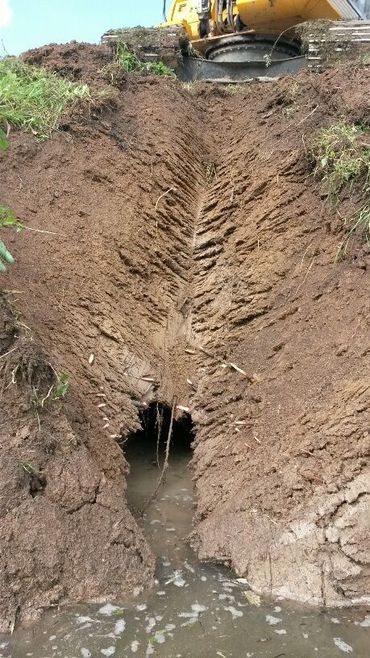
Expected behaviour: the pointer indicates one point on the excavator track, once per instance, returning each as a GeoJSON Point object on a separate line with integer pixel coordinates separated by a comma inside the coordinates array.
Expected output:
{"type": "Point", "coordinates": [150, 44]}
{"type": "Point", "coordinates": [328, 41]}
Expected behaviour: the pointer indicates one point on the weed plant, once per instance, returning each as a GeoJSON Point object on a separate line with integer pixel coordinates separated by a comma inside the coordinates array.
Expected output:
{"type": "Point", "coordinates": [342, 157]}
{"type": "Point", "coordinates": [130, 63]}
{"type": "Point", "coordinates": [34, 99]}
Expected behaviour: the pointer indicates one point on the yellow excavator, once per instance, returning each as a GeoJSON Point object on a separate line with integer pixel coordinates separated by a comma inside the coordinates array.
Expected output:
{"type": "Point", "coordinates": [235, 40]}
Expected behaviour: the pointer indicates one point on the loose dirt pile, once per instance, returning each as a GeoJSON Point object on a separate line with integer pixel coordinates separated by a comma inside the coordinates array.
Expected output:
{"type": "Point", "coordinates": [186, 240]}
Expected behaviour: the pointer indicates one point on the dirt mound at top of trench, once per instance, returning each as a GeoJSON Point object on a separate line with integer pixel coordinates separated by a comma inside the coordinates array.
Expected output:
{"type": "Point", "coordinates": [186, 241]}
{"type": "Point", "coordinates": [75, 61]}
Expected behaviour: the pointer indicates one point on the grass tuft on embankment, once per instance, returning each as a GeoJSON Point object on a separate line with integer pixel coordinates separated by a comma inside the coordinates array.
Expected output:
{"type": "Point", "coordinates": [34, 99]}
{"type": "Point", "coordinates": [130, 63]}
{"type": "Point", "coordinates": [342, 157]}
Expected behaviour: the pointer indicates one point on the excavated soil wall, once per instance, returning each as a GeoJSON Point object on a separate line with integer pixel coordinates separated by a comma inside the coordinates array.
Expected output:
{"type": "Point", "coordinates": [186, 253]}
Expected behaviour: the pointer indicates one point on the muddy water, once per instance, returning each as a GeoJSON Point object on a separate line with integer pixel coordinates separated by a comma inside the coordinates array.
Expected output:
{"type": "Point", "coordinates": [195, 609]}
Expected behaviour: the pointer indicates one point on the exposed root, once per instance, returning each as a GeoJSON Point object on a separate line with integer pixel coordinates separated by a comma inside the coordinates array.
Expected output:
{"type": "Point", "coordinates": [166, 458]}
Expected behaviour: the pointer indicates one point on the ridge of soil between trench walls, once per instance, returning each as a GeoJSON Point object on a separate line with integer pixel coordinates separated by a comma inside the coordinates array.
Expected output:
{"type": "Point", "coordinates": [199, 225]}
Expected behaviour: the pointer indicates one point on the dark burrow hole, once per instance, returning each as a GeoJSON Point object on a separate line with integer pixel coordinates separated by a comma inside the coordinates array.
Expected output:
{"type": "Point", "coordinates": [145, 451]}
{"type": "Point", "coordinates": [34, 480]}
{"type": "Point", "coordinates": [151, 439]}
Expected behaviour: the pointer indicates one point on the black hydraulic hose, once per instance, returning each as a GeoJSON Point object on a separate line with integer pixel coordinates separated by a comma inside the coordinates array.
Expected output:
{"type": "Point", "coordinates": [164, 10]}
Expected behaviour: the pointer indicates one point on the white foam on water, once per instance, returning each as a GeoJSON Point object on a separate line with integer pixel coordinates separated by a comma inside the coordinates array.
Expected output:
{"type": "Point", "coordinates": [273, 620]}
{"type": "Point", "coordinates": [141, 606]}
{"type": "Point", "coordinates": [197, 607]}
{"type": "Point", "coordinates": [119, 627]}
{"type": "Point", "coordinates": [159, 637]}
{"type": "Point", "coordinates": [280, 631]}
{"type": "Point", "coordinates": [82, 628]}
{"type": "Point", "coordinates": [151, 624]}
{"type": "Point", "coordinates": [228, 583]}
{"type": "Point", "coordinates": [85, 653]}
{"type": "Point", "coordinates": [334, 620]}
{"type": "Point", "coordinates": [108, 609]}
{"type": "Point", "coordinates": [365, 623]}
{"type": "Point", "coordinates": [109, 651]}
{"type": "Point", "coordinates": [188, 615]}
{"type": "Point", "coordinates": [189, 567]}
{"type": "Point", "coordinates": [342, 645]}
{"type": "Point", "coordinates": [176, 579]}
{"type": "Point", "coordinates": [80, 619]}
{"type": "Point", "coordinates": [134, 646]}
{"type": "Point", "coordinates": [192, 620]}
{"type": "Point", "coordinates": [170, 627]}
{"type": "Point", "coordinates": [234, 612]}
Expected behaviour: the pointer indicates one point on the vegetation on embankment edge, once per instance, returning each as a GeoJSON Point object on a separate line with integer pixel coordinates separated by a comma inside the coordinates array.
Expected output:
{"type": "Point", "coordinates": [342, 162]}
{"type": "Point", "coordinates": [33, 99]}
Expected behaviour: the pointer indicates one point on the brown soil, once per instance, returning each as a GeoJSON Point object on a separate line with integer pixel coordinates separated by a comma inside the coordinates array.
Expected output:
{"type": "Point", "coordinates": [75, 61]}
{"type": "Point", "coordinates": [185, 220]}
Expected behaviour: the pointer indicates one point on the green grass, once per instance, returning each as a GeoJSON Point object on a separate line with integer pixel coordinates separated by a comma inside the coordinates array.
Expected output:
{"type": "Point", "coordinates": [62, 386]}
{"type": "Point", "coordinates": [8, 218]}
{"type": "Point", "coordinates": [33, 99]}
{"type": "Point", "coordinates": [232, 89]}
{"type": "Point", "coordinates": [28, 468]}
{"type": "Point", "coordinates": [130, 63]}
{"type": "Point", "coordinates": [342, 158]}
{"type": "Point", "coordinates": [4, 144]}
{"type": "Point", "coordinates": [358, 224]}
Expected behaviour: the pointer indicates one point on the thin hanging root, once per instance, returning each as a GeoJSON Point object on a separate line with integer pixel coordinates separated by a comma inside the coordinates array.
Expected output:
{"type": "Point", "coordinates": [165, 464]}
{"type": "Point", "coordinates": [159, 422]}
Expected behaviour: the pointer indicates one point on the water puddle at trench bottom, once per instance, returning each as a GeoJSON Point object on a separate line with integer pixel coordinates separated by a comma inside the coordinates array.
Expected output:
{"type": "Point", "coordinates": [195, 609]}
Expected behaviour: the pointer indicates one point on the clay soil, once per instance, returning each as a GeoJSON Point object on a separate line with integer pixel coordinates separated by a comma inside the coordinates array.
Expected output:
{"type": "Point", "coordinates": [184, 238]}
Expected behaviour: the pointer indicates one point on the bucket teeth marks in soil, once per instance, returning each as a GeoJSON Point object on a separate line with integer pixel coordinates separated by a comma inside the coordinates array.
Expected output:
{"type": "Point", "coordinates": [187, 250]}
{"type": "Point", "coordinates": [253, 257]}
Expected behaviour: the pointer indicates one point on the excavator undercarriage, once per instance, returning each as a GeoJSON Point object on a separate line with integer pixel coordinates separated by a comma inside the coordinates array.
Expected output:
{"type": "Point", "coordinates": [240, 40]}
